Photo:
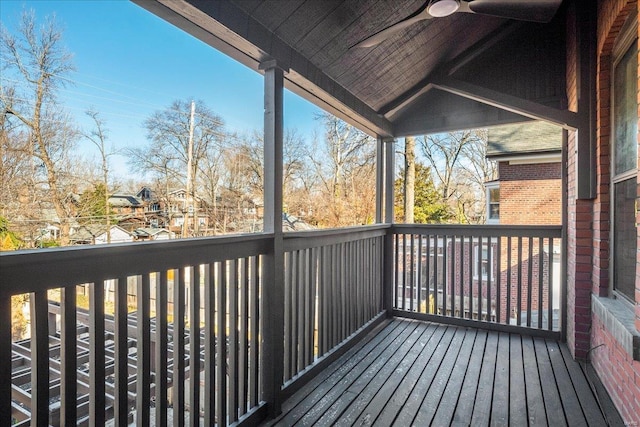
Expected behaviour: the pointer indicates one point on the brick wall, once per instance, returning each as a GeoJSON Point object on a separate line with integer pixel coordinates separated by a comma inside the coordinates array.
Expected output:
{"type": "Point", "coordinates": [530, 194]}
{"type": "Point", "coordinates": [588, 231]}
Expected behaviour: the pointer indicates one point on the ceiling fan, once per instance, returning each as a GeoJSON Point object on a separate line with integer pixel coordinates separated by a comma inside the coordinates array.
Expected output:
{"type": "Point", "coordinates": [524, 10]}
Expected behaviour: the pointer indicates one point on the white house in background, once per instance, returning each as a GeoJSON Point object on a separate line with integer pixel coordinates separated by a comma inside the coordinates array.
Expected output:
{"type": "Point", "coordinates": [97, 234]}
{"type": "Point", "coordinates": [152, 234]}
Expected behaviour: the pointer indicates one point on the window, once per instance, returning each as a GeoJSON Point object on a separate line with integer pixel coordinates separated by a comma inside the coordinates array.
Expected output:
{"type": "Point", "coordinates": [482, 265]}
{"type": "Point", "coordinates": [493, 203]}
{"type": "Point", "coordinates": [624, 158]}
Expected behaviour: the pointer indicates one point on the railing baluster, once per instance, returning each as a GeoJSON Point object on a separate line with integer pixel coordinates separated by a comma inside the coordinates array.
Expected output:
{"type": "Point", "coordinates": [470, 277]}
{"type": "Point", "coordinates": [194, 346]}
{"type": "Point", "coordinates": [509, 272]}
{"type": "Point", "coordinates": [161, 382]}
{"type": "Point", "coordinates": [301, 312]}
{"type": "Point", "coordinates": [325, 302]}
{"type": "Point", "coordinates": [243, 341]}
{"type": "Point", "coordinates": [479, 267]}
{"type": "Point", "coordinates": [221, 347]}
{"type": "Point", "coordinates": [254, 343]}
{"type": "Point", "coordinates": [68, 357]}
{"type": "Point", "coordinates": [411, 273]}
{"type": "Point", "coordinates": [519, 288]}
{"type": "Point", "coordinates": [550, 287]}
{"type": "Point", "coordinates": [209, 346]}
{"type": "Point", "coordinates": [143, 350]}
{"type": "Point", "coordinates": [530, 259]}
{"type": "Point", "coordinates": [121, 353]}
{"type": "Point", "coordinates": [97, 353]}
{"type": "Point", "coordinates": [540, 307]}
{"type": "Point", "coordinates": [489, 276]}
{"type": "Point", "coordinates": [288, 310]}
{"type": "Point", "coordinates": [232, 350]}
{"type": "Point", "coordinates": [397, 269]}
{"type": "Point", "coordinates": [499, 280]}
{"type": "Point", "coordinates": [40, 359]}
{"type": "Point", "coordinates": [5, 354]}
{"type": "Point", "coordinates": [312, 268]}
{"type": "Point", "coordinates": [177, 384]}
{"type": "Point", "coordinates": [428, 284]}
{"type": "Point", "coordinates": [462, 293]}
{"type": "Point", "coordinates": [334, 298]}
{"type": "Point", "coordinates": [450, 278]}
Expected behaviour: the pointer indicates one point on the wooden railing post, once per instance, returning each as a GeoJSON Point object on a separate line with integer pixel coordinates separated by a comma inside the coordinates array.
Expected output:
{"type": "Point", "coordinates": [273, 267]}
{"type": "Point", "coordinates": [388, 269]}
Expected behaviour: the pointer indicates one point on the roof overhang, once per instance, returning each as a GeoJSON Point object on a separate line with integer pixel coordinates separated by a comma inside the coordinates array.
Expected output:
{"type": "Point", "coordinates": [460, 72]}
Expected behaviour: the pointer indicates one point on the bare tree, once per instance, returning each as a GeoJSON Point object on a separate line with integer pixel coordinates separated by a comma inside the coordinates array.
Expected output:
{"type": "Point", "coordinates": [98, 136]}
{"type": "Point", "coordinates": [36, 64]}
{"type": "Point", "coordinates": [345, 166]}
{"type": "Point", "coordinates": [168, 153]}
{"type": "Point", "coordinates": [458, 162]}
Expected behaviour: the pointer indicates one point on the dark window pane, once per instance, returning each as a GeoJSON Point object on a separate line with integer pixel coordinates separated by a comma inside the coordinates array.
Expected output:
{"type": "Point", "coordinates": [625, 115]}
{"type": "Point", "coordinates": [624, 238]}
{"type": "Point", "coordinates": [494, 211]}
{"type": "Point", "coordinates": [494, 195]}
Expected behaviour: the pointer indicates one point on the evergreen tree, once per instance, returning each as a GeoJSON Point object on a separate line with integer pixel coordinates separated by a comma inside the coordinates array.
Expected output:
{"type": "Point", "coordinates": [429, 208]}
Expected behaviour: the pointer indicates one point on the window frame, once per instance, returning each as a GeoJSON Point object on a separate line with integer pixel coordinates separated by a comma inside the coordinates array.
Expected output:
{"type": "Point", "coordinates": [626, 40]}
{"type": "Point", "coordinates": [488, 188]}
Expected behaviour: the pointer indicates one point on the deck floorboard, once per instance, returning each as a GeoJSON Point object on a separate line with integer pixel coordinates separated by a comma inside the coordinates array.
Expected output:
{"type": "Point", "coordinates": [422, 373]}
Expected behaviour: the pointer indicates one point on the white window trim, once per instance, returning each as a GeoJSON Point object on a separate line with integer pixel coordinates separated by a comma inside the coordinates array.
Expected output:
{"type": "Point", "coordinates": [488, 187]}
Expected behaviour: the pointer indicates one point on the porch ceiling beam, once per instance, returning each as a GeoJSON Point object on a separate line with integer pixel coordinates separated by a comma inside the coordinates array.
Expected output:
{"type": "Point", "coordinates": [229, 29]}
{"type": "Point", "coordinates": [565, 118]}
{"type": "Point", "coordinates": [451, 67]}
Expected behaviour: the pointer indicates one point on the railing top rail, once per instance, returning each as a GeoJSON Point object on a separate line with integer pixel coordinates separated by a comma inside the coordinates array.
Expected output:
{"type": "Point", "coordinates": [316, 238]}
{"type": "Point", "coordinates": [28, 271]}
{"type": "Point", "coordinates": [479, 230]}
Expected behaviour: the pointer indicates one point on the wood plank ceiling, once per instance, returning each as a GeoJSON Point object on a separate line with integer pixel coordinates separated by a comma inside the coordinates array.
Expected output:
{"type": "Point", "coordinates": [400, 86]}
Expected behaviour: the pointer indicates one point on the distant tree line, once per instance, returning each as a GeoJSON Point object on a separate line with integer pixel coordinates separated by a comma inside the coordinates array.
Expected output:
{"type": "Point", "coordinates": [329, 181]}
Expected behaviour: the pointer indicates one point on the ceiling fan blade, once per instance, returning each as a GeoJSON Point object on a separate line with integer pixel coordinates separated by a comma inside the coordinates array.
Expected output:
{"type": "Point", "coordinates": [523, 10]}
{"type": "Point", "coordinates": [384, 34]}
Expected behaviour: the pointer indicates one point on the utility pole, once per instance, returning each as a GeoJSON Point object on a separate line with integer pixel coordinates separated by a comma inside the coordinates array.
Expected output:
{"type": "Point", "coordinates": [189, 195]}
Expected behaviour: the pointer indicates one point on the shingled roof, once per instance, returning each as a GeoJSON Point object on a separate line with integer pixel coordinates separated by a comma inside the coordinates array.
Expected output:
{"type": "Point", "coordinates": [524, 138]}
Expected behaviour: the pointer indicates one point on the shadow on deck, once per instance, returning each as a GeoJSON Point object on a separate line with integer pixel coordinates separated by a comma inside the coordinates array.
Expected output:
{"type": "Point", "coordinates": [420, 373]}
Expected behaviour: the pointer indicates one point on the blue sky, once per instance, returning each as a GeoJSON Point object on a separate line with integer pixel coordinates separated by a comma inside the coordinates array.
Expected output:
{"type": "Point", "coordinates": [130, 63]}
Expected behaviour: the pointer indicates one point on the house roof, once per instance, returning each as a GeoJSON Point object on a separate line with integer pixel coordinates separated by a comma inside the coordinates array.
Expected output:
{"type": "Point", "coordinates": [462, 71]}
{"type": "Point", "coordinates": [124, 200]}
{"type": "Point", "coordinates": [147, 232]}
{"type": "Point", "coordinates": [524, 138]}
{"type": "Point", "coordinates": [89, 232]}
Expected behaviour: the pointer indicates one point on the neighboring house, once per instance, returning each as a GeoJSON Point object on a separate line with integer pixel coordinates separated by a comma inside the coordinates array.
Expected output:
{"type": "Point", "coordinates": [123, 204]}
{"type": "Point", "coordinates": [182, 209]}
{"type": "Point", "coordinates": [152, 234]}
{"type": "Point", "coordinates": [529, 185]}
{"type": "Point", "coordinates": [97, 234]}
{"type": "Point", "coordinates": [528, 191]}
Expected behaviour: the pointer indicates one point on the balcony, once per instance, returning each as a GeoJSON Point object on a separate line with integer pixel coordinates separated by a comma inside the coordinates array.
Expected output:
{"type": "Point", "coordinates": [375, 324]}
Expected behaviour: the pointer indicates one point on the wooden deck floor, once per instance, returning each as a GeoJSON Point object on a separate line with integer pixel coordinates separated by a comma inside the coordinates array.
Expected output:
{"type": "Point", "coordinates": [418, 373]}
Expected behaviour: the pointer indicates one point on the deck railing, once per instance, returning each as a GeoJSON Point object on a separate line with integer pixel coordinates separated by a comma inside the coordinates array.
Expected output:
{"type": "Point", "coordinates": [167, 331]}
{"type": "Point", "coordinates": [333, 287]}
{"type": "Point", "coordinates": [157, 332]}
{"type": "Point", "coordinates": [502, 275]}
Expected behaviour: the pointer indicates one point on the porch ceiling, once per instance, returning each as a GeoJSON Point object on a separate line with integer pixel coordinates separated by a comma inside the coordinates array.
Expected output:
{"type": "Point", "coordinates": [462, 71]}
